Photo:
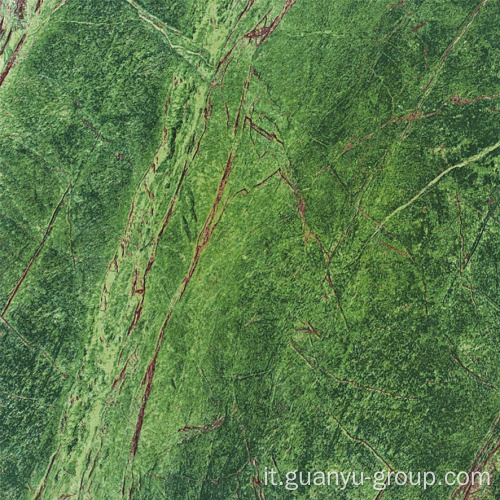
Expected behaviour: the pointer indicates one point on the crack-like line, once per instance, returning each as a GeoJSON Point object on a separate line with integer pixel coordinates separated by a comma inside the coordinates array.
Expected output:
{"type": "Point", "coordinates": [37, 253]}
{"type": "Point", "coordinates": [12, 60]}
{"type": "Point", "coordinates": [202, 241]}
{"type": "Point", "coordinates": [165, 221]}
{"type": "Point", "coordinates": [44, 482]}
{"type": "Point", "coordinates": [472, 374]}
{"type": "Point", "coordinates": [460, 232]}
{"type": "Point", "coordinates": [409, 117]}
{"type": "Point", "coordinates": [164, 29]}
{"type": "Point", "coordinates": [113, 266]}
{"type": "Point", "coordinates": [21, 227]}
{"type": "Point", "coordinates": [363, 442]}
{"type": "Point", "coordinates": [22, 398]}
{"type": "Point", "coordinates": [460, 101]}
{"type": "Point", "coordinates": [6, 42]}
{"type": "Point", "coordinates": [261, 33]}
{"type": "Point", "coordinates": [434, 181]}
{"type": "Point", "coordinates": [453, 351]}
{"type": "Point", "coordinates": [428, 87]}
{"type": "Point", "coordinates": [70, 235]}
{"type": "Point", "coordinates": [343, 380]}
{"type": "Point", "coordinates": [476, 466]}
{"type": "Point", "coordinates": [33, 346]}
{"type": "Point", "coordinates": [248, 6]}
{"type": "Point", "coordinates": [329, 280]}
{"type": "Point", "coordinates": [467, 258]}
{"type": "Point", "coordinates": [432, 80]}
{"type": "Point", "coordinates": [469, 255]}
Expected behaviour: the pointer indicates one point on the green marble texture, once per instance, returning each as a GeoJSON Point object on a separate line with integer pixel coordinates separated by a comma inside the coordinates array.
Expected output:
{"type": "Point", "coordinates": [238, 235]}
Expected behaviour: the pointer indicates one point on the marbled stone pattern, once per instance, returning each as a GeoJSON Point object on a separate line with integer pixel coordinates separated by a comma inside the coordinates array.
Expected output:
{"type": "Point", "coordinates": [247, 234]}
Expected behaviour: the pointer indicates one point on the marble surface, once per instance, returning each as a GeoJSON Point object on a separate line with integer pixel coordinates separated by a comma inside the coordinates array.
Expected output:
{"type": "Point", "coordinates": [238, 235]}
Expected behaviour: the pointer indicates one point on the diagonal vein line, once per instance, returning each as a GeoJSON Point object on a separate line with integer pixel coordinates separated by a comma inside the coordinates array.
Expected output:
{"type": "Point", "coordinates": [38, 250]}
{"type": "Point", "coordinates": [472, 159]}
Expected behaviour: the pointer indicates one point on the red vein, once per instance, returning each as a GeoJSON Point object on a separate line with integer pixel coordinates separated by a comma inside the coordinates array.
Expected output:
{"type": "Point", "coordinates": [472, 374]}
{"type": "Point", "coordinates": [433, 78]}
{"type": "Point", "coordinates": [37, 253]}
{"type": "Point", "coordinates": [33, 346]}
{"type": "Point", "coordinates": [202, 242]}
{"type": "Point", "coordinates": [364, 443]}
{"type": "Point", "coordinates": [462, 102]}
{"type": "Point", "coordinates": [12, 60]}
{"type": "Point", "coordinates": [261, 34]}
{"type": "Point", "coordinates": [44, 482]}
{"type": "Point", "coordinates": [344, 380]}
{"type": "Point", "coordinates": [6, 42]}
